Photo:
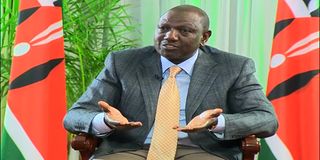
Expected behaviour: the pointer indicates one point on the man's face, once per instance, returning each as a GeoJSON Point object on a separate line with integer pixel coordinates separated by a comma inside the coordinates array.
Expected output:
{"type": "Point", "coordinates": [178, 35]}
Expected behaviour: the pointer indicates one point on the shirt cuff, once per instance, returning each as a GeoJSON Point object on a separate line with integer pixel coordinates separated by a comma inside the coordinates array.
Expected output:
{"type": "Point", "coordinates": [99, 128]}
{"type": "Point", "coordinates": [219, 129]}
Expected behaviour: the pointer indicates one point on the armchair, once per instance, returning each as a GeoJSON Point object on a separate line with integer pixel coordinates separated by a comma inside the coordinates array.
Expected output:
{"type": "Point", "coordinates": [86, 145]}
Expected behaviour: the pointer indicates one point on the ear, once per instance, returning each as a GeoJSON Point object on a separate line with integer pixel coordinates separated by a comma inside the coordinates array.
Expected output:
{"type": "Point", "coordinates": [205, 36]}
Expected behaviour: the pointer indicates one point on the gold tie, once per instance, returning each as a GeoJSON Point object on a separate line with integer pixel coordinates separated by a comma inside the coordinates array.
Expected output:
{"type": "Point", "coordinates": [164, 138]}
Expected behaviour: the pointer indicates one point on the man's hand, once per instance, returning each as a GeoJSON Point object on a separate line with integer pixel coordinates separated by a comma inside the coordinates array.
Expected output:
{"type": "Point", "coordinates": [206, 120]}
{"type": "Point", "coordinates": [115, 119]}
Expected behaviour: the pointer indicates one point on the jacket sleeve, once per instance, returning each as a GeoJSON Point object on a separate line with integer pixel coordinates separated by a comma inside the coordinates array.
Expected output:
{"type": "Point", "coordinates": [106, 87]}
{"type": "Point", "coordinates": [252, 112]}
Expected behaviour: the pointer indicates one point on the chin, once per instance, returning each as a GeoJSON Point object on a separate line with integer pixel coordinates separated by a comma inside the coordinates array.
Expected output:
{"type": "Point", "coordinates": [167, 54]}
{"type": "Point", "coordinates": [171, 57]}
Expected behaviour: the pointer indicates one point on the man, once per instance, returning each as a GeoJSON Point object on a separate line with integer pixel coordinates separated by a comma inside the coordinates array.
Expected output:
{"type": "Point", "coordinates": [219, 98]}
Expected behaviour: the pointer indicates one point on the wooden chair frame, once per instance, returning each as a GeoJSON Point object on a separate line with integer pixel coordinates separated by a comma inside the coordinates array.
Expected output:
{"type": "Point", "coordinates": [86, 145]}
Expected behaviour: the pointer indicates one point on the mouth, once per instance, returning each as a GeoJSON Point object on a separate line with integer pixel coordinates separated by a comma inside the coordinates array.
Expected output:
{"type": "Point", "coordinates": [169, 46]}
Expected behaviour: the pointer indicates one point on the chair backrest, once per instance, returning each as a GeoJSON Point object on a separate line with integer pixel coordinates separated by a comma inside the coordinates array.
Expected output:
{"type": "Point", "coordinates": [86, 144]}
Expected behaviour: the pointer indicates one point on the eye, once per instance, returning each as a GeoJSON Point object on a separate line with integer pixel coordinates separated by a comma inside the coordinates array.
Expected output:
{"type": "Point", "coordinates": [185, 30]}
{"type": "Point", "coordinates": [164, 28]}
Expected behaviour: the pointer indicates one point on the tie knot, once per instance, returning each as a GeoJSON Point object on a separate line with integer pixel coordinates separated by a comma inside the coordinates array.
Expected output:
{"type": "Point", "coordinates": [174, 70]}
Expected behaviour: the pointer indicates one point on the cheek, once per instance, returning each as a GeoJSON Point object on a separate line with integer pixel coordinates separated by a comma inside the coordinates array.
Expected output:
{"type": "Point", "coordinates": [196, 41]}
{"type": "Point", "coordinates": [159, 38]}
{"type": "Point", "coordinates": [192, 42]}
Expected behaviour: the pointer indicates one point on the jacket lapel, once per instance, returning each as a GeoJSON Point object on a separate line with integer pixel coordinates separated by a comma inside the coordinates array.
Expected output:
{"type": "Point", "coordinates": [204, 73]}
{"type": "Point", "coordinates": [149, 77]}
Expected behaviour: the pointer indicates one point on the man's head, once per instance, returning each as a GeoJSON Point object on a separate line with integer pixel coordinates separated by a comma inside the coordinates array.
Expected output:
{"type": "Point", "coordinates": [181, 30]}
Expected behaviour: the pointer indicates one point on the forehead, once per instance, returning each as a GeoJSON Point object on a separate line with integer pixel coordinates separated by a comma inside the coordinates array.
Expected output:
{"type": "Point", "coordinates": [181, 18]}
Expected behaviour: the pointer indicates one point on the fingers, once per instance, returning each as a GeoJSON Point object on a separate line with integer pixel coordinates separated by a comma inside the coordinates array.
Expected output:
{"type": "Point", "coordinates": [214, 112]}
{"type": "Point", "coordinates": [132, 124]}
{"type": "Point", "coordinates": [129, 125]}
{"type": "Point", "coordinates": [116, 123]}
{"type": "Point", "coordinates": [188, 129]}
{"type": "Point", "coordinates": [125, 125]}
{"type": "Point", "coordinates": [217, 112]}
{"type": "Point", "coordinates": [183, 129]}
{"type": "Point", "coordinates": [115, 119]}
{"type": "Point", "coordinates": [175, 127]}
{"type": "Point", "coordinates": [105, 106]}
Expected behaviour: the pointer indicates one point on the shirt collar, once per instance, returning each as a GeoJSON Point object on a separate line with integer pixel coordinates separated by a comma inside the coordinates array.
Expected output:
{"type": "Point", "coordinates": [186, 65]}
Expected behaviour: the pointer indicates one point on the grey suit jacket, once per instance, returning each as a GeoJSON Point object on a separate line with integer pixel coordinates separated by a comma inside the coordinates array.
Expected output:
{"type": "Point", "coordinates": [130, 82]}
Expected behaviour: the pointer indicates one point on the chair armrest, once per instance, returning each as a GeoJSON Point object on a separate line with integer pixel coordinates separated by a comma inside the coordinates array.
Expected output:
{"type": "Point", "coordinates": [250, 146]}
{"type": "Point", "coordinates": [85, 144]}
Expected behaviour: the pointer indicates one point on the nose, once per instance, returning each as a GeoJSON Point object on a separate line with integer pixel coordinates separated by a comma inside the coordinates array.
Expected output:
{"type": "Point", "coordinates": [172, 34]}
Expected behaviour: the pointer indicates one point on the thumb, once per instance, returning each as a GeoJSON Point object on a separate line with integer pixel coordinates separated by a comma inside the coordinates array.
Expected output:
{"type": "Point", "coordinates": [217, 111]}
{"type": "Point", "coordinates": [105, 106]}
